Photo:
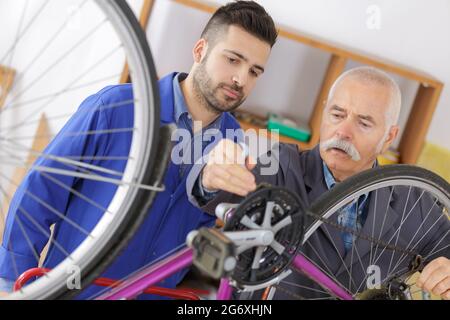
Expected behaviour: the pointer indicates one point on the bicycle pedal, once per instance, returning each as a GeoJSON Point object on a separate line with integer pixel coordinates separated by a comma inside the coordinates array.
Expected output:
{"type": "Point", "coordinates": [214, 253]}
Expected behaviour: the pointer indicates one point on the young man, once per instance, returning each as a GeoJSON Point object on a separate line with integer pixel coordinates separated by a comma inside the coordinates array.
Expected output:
{"type": "Point", "coordinates": [228, 59]}
{"type": "Point", "coordinates": [359, 123]}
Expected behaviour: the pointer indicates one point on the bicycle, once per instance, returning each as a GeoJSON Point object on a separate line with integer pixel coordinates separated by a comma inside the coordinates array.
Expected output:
{"type": "Point", "coordinates": [262, 240]}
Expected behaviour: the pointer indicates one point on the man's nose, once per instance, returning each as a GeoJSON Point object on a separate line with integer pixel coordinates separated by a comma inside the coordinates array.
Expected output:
{"type": "Point", "coordinates": [345, 130]}
{"type": "Point", "coordinates": [240, 78]}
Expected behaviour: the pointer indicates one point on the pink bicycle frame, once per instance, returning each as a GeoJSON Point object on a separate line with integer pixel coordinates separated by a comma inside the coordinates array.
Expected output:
{"type": "Point", "coordinates": [154, 274]}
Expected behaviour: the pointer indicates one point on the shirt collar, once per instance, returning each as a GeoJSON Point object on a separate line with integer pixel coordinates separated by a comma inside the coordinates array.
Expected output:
{"type": "Point", "coordinates": [180, 107]}
{"type": "Point", "coordinates": [330, 181]}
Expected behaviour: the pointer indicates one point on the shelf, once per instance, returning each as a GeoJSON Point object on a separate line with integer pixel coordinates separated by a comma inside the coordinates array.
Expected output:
{"type": "Point", "coordinates": [6, 81]}
{"type": "Point", "coordinates": [265, 132]}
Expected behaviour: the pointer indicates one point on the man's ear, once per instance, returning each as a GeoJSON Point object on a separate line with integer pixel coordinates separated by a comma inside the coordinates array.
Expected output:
{"type": "Point", "coordinates": [393, 132]}
{"type": "Point", "coordinates": [200, 49]}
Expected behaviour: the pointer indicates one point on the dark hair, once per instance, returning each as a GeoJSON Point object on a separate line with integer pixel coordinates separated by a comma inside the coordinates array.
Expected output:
{"type": "Point", "coordinates": [248, 15]}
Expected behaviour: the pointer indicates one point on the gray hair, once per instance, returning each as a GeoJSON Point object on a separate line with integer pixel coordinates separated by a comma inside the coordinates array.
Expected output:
{"type": "Point", "coordinates": [372, 75]}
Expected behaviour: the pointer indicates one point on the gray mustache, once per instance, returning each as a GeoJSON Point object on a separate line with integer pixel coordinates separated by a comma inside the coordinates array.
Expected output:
{"type": "Point", "coordinates": [343, 145]}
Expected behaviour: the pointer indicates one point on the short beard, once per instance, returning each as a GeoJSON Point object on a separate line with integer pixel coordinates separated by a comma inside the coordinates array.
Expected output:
{"type": "Point", "coordinates": [206, 95]}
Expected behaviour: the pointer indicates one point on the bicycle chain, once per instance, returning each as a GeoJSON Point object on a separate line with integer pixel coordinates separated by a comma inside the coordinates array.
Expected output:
{"type": "Point", "coordinates": [360, 235]}
{"type": "Point", "coordinates": [357, 234]}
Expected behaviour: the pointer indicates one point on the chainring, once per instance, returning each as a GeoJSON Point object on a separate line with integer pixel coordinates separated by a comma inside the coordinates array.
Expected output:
{"type": "Point", "coordinates": [286, 205]}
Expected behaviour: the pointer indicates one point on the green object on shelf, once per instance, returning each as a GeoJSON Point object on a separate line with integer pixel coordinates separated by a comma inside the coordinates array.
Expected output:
{"type": "Point", "coordinates": [288, 128]}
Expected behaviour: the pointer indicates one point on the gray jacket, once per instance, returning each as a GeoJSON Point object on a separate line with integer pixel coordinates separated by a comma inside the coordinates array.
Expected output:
{"type": "Point", "coordinates": [302, 172]}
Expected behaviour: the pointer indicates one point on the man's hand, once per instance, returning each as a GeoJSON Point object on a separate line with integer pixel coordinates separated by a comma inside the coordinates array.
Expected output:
{"type": "Point", "coordinates": [435, 278]}
{"type": "Point", "coordinates": [228, 169]}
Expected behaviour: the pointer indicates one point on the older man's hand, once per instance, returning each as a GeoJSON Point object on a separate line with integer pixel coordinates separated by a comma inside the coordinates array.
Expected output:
{"type": "Point", "coordinates": [435, 278]}
{"type": "Point", "coordinates": [228, 169]}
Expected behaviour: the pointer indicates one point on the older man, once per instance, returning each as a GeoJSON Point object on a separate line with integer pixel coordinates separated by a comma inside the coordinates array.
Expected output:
{"type": "Point", "coordinates": [359, 123]}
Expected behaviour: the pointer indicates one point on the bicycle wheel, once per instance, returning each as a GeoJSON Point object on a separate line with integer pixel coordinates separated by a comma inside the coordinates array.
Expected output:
{"type": "Point", "coordinates": [52, 57]}
{"type": "Point", "coordinates": [406, 226]}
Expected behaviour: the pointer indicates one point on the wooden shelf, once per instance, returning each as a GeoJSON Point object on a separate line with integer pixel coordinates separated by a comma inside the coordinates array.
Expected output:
{"type": "Point", "coordinates": [425, 101]}
{"type": "Point", "coordinates": [6, 80]}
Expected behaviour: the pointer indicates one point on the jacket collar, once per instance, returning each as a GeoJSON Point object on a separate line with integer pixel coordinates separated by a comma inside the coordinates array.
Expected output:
{"type": "Point", "coordinates": [167, 100]}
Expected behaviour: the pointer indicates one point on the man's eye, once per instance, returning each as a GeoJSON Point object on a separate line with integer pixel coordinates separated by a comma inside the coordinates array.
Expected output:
{"type": "Point", "coordinates": [254, 73]}
{"type": "Point", "coordinates": [365, 125]}
{"type": "Point", "coordinates": [337, 116]}
{"type": "Point", "coordinates": [232, 60]}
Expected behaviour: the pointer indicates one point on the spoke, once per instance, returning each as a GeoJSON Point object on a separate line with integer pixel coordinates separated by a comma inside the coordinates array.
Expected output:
{"type": "Point", "coordinates": [340, 257]}
{"type": "Point", "coordinates": [76, 164]}
{"type": "Point", "coordinates": [127, 103]}
{"type": "Point", "coordinates": [50, 95]}
{"type": "Point", "coordinates": [246, 221]}
{"type": "Point", "coordinates": [423, 236]}
{"type": "Point", "coordinates": [11, 59]}
{"type": "Point", "coordinates": [59, 214]}
{"type": "Point", "coordinates": [402, 221]}
{"type": "Point", "coordinates": [439, 242]}
{"type": "Point", "coordinates": [50, 208]}
{"type": "Point", "coordinates": [354, 249]}
{"type": "Point", "coordinates": [22, 229]}
{"type": "Point", "coordinates": [268, 215]}
{"type": "Point", "coordinates": [364, 271]}
{"type": "Point", "coordinates": [27, 238]}
{"type": "Point", "coordinates": [304, 287]}
{"type": "Point", "coordinates": [70, 134]}
{"type": "Point", "coordinates": [95, 177]}
{"type": "Point", "coordinates": [384, 221]}
{"type": "Point", "coordinates": [403, 256]}
{"type": "Point", "coordinates": [57, 61]}
{"type": "Point", "coordinates": [21, 164]}
{"type": "Point", "coordinates": [281, 224]}
{"type": "Point", "coordinates": [45, 232]}
{"type": "Point", "coordinates": [10, 249]}
{"type": "Point", "coordinates": [330, 275]}
{"type": "Point", "coordinates": [358, 255]}
{"type": "Point", "coordinates": [118, 158]}
{"type": "Point", "coordinates": [351, 265]}
{"type": "Point", "coordinates": [278, 247]}
{"type": "Point", "coordinates": [258, 255]}
{"type": "Point", "coordinates": [373, 225]}
{"type": "Point", "coordinates": [68, 86]}
{"type": "Point", "coordinates": [33, 19]}
{"type": "Point", "coordinates": [400, 272]}
{"type": "Point", "coordinates": [48, 43]}
{"type": "Point", "coordinates": [320, 258]}
{"type": "Point", "coordinates": [75, 192]}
